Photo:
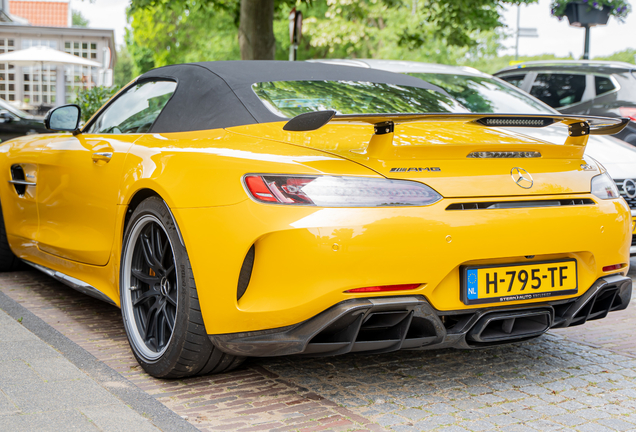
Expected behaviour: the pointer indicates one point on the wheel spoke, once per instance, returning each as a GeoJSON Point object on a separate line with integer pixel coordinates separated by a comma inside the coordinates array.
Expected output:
{"type": "Point", "coordinates": [151, 259]}
{"type": "Point", "coordinates": [145, 297]}
{"type": "Point", "coordinates": [159, 252]}
{"type": "Point", "coordinates": [151, 327]}
{"type": "Point", "coordinates": [145, 247]}
{"type": "Point", "coordinates": [169, 270]}
{"type": "Point", "coordinates": [164, 250]}
{"type": "Point", "coordinates": [145, 278]}
{"type": "Point", "coordinates": [161, 333]}
{"type": "Point", "coordinates": [170, 318]}
{"type": "Point", "coordinates": [170, 299]}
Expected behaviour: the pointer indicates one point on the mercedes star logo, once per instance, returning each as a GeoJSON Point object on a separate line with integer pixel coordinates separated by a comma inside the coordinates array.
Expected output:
{"type": "Point", "coordinates": [629, 186]}
{"type": "Point", "coordinates": [521, 177]}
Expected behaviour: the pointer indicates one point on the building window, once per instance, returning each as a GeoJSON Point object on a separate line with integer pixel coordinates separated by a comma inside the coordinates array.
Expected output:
{"type": "Point", "coordinates": [28, 43]}
{"type": "Point", "coordinates": [80, 77]}
{"type": "Point", "coordinates": [36, 93]}
{"type": "Point", "coordinates": [7, 73]}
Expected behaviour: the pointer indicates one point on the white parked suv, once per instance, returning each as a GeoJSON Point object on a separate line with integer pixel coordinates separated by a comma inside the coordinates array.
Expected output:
{"type": "Point", "coordinates": [483, 93]}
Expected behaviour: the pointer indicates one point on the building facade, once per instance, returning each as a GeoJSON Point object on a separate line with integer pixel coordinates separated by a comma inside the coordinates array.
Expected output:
{"type": "Point", "coordinates": [50, 85]}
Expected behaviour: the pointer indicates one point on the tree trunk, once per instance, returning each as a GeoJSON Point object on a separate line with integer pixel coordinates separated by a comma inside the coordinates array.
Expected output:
{"type": "Point", "coordinates": [256, 30]}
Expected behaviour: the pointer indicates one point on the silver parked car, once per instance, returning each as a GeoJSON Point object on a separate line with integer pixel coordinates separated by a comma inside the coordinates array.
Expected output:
{"type": "Point", "coordinates": [483, 93]}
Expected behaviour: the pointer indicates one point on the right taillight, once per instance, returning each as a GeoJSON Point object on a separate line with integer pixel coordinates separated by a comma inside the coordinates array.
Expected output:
{"type": "Point", "coordinates": [628, 112]}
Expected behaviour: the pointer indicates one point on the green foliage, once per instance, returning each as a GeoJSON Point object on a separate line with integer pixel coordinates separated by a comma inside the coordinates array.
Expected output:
{"type": "Point", "coordinates": [91, 100]}
{"type": "Point", "coordinates": [123, 72]}
{"type": "Point", "coordinates": [449, 31]}
{"type": "Point", "coordinates": [627, 56]}
{"type": "Point", "coordinates": [180, 32]}
{"type": "Point", "coordinates": [78, 19]}
{"type": "Point", "coordinates": [617, 8]}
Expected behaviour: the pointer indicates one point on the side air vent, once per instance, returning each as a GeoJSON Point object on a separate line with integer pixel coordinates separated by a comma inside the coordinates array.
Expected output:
{"type": "Point", "coordinates": [17, 174]}
{"type": "Point", "coordinates": [246, 273]}
{"type": "Point", "coordinates": [520, 204]}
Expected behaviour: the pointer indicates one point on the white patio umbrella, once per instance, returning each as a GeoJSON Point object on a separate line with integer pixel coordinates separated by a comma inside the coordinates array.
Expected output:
{"type": "Point", "coordinates": [41, 55]}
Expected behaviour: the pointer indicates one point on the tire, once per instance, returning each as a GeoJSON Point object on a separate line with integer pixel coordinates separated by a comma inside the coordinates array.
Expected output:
{"type": "Point", "coordinates": [161, 314]}
{"type": "Point", "coordinates": [8, 261]}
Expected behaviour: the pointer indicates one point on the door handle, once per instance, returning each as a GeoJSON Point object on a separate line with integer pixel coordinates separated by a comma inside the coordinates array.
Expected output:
{"type": "Point", "coordinates": [102, 157]}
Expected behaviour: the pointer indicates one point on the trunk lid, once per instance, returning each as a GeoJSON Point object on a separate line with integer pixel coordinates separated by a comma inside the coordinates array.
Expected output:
{"type": "Point", "coordinates": [436, 153]}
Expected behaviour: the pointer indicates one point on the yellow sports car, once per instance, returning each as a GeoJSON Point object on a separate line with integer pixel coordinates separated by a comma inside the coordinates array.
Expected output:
{"type": "Point", "coordinates": [237, 209]}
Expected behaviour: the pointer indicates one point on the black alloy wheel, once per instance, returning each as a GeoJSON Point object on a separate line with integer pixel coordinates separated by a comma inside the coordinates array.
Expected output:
{"type": "Point", "coordinates": [154, 299]}
{"type": "Point", "coordinates": [159, 300]}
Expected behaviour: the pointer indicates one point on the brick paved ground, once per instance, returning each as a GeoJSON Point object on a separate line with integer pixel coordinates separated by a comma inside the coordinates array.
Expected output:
{"type": "Point", "coordinates": [552, 383]}
{"type": "Point", "coordinates": [248, 399]}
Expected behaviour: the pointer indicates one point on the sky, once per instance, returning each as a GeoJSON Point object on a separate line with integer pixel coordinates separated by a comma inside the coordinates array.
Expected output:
{"type": "Point", "coordinates": [108, 14]}
{"type": "Point", "coordinates": [555, 37]}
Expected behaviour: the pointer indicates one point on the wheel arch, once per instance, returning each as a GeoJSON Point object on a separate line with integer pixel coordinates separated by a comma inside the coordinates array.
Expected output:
{"type": "Point", "coordinates": [137, 198]}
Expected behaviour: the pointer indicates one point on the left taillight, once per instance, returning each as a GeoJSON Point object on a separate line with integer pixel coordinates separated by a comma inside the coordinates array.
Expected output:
{"type": "Point", "coordinates": [334, 191]}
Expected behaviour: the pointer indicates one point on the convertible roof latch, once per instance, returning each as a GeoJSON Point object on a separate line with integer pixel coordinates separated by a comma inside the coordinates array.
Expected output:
{"type": "Point", "coordinates": [579, 129]}
{"type": "Point", "coordinates": [384, 127]}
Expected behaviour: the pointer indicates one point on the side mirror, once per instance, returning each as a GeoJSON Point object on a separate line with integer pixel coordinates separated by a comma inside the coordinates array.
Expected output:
{"type": "Point", "coordinates": [63, 118]}
{"type": "Point", "coordinates": [6, 116]}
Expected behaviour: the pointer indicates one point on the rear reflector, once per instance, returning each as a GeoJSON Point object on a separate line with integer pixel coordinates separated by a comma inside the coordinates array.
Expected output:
{"type": "Point", "coordinates": [384, 288]}
{"type": "Point", "coordinates": [614, 267]}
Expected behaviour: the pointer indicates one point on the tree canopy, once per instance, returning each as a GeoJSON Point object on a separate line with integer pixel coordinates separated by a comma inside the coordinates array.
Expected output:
{"type": "Point", "coordinates": [451, 31]}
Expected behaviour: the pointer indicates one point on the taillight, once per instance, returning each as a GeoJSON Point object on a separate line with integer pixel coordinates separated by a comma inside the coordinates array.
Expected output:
{"type": "Point", "coordinates": [628, 112]}
{"type": "Point", "coordinates": [332, 191]}
{"type": "Point", "coordinates": [614, 267]}
{"type": "Point", "coordinates": [382, 288]}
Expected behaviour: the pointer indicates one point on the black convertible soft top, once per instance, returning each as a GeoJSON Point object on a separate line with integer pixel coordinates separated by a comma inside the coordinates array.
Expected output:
{"type": "Point", "coordinates": [211, 95]}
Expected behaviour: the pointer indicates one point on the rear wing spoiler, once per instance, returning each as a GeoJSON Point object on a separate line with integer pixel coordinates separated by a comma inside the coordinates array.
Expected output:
{"type": "Point", "coordinates": [579, 126]}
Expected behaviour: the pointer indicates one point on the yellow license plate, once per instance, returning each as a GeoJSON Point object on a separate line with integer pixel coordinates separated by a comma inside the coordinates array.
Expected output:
{"type": "Point", "coordinates": [634, 226]}
{"type": "Point", "coordinates": [512, 282]}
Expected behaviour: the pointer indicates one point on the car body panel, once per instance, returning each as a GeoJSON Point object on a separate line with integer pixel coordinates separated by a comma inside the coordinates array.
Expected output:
{"type": "Point", "coordinates": [77, 196]}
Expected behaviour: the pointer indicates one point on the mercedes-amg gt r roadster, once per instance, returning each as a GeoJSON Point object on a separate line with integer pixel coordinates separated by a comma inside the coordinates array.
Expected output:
{"type": "Point", "coordinates": [235, 209]}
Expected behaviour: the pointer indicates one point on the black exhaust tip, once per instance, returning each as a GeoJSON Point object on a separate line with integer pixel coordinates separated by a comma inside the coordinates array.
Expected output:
{"type": "Point", "coordinates": [500, 327]}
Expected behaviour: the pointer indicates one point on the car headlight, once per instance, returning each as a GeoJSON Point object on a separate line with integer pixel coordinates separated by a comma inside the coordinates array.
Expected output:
{"type": "Point", "coordinates": [604, 187]}
{"type": "Point", "coordinates": [332, 191]}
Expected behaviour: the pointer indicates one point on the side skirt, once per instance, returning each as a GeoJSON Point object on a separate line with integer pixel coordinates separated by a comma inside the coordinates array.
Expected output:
{"type": "Point", "coordinates": [74, 283]}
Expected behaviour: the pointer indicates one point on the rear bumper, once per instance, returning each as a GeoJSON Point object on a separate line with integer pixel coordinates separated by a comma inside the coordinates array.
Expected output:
{"type": "Point", "coordinates": [376, 325]}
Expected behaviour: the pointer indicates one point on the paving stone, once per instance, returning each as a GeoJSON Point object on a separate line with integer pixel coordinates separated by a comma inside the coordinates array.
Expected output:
{"type": "Point", "coordinates": [17, 371]}
{"type": "Point", "coordinates": [60, 395]}
{"type": "Point", "coordinates": [56, 369]}
{"type": "Point", "coordinates": [616, 424]}
{"type": "Point", "coordinates": [569, 419]}
{"type": "Point", "coordinates": [7, 407]}
{"type": "Point", "coordinates": [593, 427]}
{"type": "Point", "coordinates": [117, 418]}
{"type": "Point", "coordinates": [64, 420]}
{"type": "Point", "coordinates": [414, 414]}
{"type": "Point", "coordinates": [477, 426]}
